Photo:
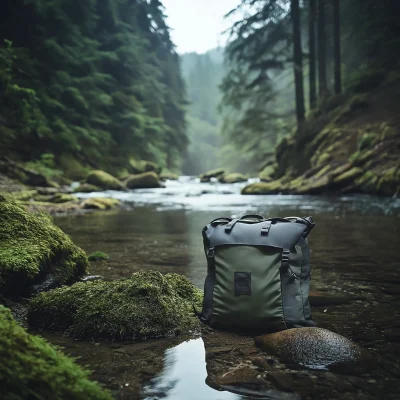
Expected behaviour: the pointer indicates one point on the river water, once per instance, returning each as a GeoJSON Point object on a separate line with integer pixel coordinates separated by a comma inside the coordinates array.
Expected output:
{"type": "Point", "coordinates": [355, 254]}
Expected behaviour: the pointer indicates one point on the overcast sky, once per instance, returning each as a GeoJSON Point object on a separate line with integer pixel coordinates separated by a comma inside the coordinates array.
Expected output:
{"type": "Point", "coordinates": [196, 25]}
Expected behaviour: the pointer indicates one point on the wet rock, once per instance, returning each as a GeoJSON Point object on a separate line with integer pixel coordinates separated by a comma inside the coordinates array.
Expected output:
{"type": "Point", "coordinates": [273, 187]}
{"type": "Point", "coordinates": [103, 180]}
{"type": "Point", "coordinates": [33, 251]}
{"type": "Point", "coordinates": [215, 173]}
{"type": "Point", "coordinates": [233, 178]}
{"type": "Point", "coordinates": [100, 203]}
{"type": "Point", "coordinates": [149, 304]}
{"type": "Point", "coordinates": [139, 167]}
{"type": "Point", "coordinates": [238, 376]}
{"type": "Point", "coordinates": [262, 363]}
{"type": "Point", "coordinates": [170, 176]}
{"type": "Point", "coordinates": [59, 198]}
{"type": "Point", "coordinates": [315, 348]}
{"type": "Point", "coordinates": [31, 368]}
{"type": "Point", "coordinates": [393, 335]}
{"type": "Point", "coordinates": [87, 188]}
{"type": "Point", "coordinates": [281, 380]}
{"type": "Point", "coordinates": [146, 180]}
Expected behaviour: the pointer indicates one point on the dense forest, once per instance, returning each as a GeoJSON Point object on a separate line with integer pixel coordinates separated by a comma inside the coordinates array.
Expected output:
{"type": "Point", "coordinates": [89, 84]}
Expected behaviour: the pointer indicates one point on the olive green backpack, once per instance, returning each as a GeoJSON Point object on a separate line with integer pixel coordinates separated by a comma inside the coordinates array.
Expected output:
{"type": "Point", "coordinates": [258, 273]}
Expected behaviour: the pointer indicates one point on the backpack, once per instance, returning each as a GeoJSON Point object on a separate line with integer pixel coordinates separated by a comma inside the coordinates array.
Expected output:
{"type": "Point", "coordinates": [258, 273]}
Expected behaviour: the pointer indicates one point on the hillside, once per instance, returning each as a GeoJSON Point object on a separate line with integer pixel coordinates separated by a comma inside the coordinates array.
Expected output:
{"type": "Point", "coordinates": [351, 144]}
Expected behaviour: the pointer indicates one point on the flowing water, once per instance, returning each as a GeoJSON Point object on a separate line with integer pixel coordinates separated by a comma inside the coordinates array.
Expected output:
{"type": "Point", "coordinates": [355, 253]}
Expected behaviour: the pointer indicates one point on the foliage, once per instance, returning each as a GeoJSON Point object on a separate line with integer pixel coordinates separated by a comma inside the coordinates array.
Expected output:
{"type": "Point", "coordinates": [148, 304]}
{"type": "Point", "coordinates": [98, 256]}
{"type": "Point", "coordinates": [31, 246]}
{"type": "Point", "coordinates": [33, 369]}
{"type": "Point", "coordinates": [105, 76]}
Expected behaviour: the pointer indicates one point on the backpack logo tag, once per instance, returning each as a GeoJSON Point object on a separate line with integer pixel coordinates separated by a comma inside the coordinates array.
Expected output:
{"type": "Point", "coordinates": [242, 283]}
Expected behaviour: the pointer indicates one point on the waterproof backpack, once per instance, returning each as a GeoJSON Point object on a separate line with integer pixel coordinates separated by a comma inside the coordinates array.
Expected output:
{"type": "Point", "coordinates": [258, 273]}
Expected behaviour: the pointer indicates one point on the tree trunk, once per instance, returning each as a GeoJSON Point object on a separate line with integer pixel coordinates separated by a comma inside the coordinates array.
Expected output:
{"type": "Point", "coordinates": [337, 51]}
{"type": "Point", "coordinates": [298, 61]}
{"type": "Point", "coordinates": [312, 56]}
{"type": "Point", "coordinates": [321, 49]}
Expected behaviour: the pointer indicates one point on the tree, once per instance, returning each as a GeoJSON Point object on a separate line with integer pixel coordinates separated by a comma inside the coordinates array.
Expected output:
{"type": "Point", "coordinates": [337, 47]}
{"type": "Point", "coordinates": [321, 49]}
{"type": "Point", "coordinates": [297, 61]}
{"type": "Point", "coordinates": [312, 56]}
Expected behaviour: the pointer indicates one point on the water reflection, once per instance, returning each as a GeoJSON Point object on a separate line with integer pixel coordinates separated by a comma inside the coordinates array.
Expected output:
{"type": "Point", "coordinates": [185, 375]}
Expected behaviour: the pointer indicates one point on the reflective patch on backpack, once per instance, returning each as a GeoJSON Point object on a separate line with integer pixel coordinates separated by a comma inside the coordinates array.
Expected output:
{"type": "Point", "coordinates": [242, 283]}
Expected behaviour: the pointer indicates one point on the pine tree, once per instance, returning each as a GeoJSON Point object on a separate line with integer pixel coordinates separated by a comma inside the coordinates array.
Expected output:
{"type": "Point", "coordinates": [321, 49]}
{"type": "Point", "coordinates": [337, 47]}
{"type": "Point", "coordinates": [312, 53]}
{"type": "Point", "coordinates": [297, 61]}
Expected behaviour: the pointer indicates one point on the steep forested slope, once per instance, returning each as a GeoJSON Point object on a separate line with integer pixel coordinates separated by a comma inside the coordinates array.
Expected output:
{"type": "Point", "coordinates": [89, 83]}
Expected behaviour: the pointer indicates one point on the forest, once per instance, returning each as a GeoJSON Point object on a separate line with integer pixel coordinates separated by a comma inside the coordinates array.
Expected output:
{"type": "Point", "coordinates": [199, 226]}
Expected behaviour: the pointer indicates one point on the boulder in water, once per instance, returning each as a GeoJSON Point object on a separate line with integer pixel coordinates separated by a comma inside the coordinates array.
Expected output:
{"type": "Point", "coordinates": [215, 173]}
{"type": "Point", "coordinates": [233, 178]}
{"type": "Point", "coordinates": [103, 180]}
{"type": "Point", "coordinates": [147, 180]}
{"type": "Point", "coordinates": [315, 348]}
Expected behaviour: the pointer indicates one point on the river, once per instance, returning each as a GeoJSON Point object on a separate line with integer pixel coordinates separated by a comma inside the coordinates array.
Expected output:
{"type": "Point", "coordinates": [355, 253]}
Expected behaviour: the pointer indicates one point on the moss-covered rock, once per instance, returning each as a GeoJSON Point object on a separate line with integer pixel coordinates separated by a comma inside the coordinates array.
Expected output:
{"type": "Point", "coordinates": [31, 368]}
{"type": "Point", "coordinates": [349, 176]}
{"type": "Point", "coordinates": [87, 188]}
{"type": "Point", "coordinates": [24, 195]}
{"type": "Point", "coordinates": [273, 187]}
{"type": "Point", "coordinates": [169, 176]}
{"type": "Point", "coordinates": [104, 180]}
{"type": "Point", "coordinates": [59, 198]}
{"type": "Point", "coordinates": [100, 203]}
{"type": "Point", "coordinates": [98, 256]}
{"type": "Point", "coordinates": [233, 178]}
{"type": "Point", "coordinates": [143, 181]}
{"type": "Point", "coordinates": [139, 167]}
{"type": "Point", "coordinates": [389, 182]}
{"type": "Point", "coordinates": [148, 304]}
{"type": "Point", "coordinates": [267, 173]}
{"type": "Point", "coordinates": [215, 173]}
{"type": "Point", "coordinates": [31, 248]}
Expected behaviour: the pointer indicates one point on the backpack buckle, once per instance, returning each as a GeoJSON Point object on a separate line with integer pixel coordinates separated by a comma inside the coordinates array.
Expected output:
{"type": "Point", "coordinates": [265, 228]}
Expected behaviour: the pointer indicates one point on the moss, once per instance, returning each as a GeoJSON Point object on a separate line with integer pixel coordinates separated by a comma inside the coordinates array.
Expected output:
{"type": "Point", "coordinates": [348, 176]}
{"type": "Point", "coordinates": [72, 167]}
{"type": "Point", "coordinates": [169, 176]}
{"type": "Point", "coordinates": [233, 178]}
{"type": "Point", "coordinates": [104, 180]}
{"type": "Point", "coordinates": [267, 173]}
{"type": "Point", "coordinates": [387, 132]}
{"type": "Point", "coordinates": [100, 203]}
{"type": "Point", "coordinates": [148, 304]}
{"type": "Point", "coordinates": [139, 167]}
{"type": "Point", "coordinates": [367, 182]}
{"type": "Point", "coordinates": [24, 195]}
{"type": "Point", "coordinates": [215, 173]}
{"type": "Point", "coordinates": [33, 369]}
{"type": "Point", "coordinates": [322, 172]}
{"type": "Point", "coordinates": [142, 181]}
{"type": "Point", "coordinates": [87, 188]}
{"type": "Point", "coordinates": [317, 186]}
{"type": "Point", "coordinates": [323, 158]}
{"type": "Point", "coordinates": [31, 246]}
{"type": "Point", "coordinates": [389, 182]}
{"type": "Point", "coordinates": [366, 141]}
{"type": "Point", "coordinates": [98, 256]}
{"type": "Point", "coordinates": [59, 198]}
{"type": "Point", "coordinates": [265, 188]}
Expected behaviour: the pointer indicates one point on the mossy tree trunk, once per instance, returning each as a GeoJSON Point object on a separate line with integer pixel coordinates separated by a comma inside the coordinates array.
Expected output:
{"type": "Point", "coordinates": [337, 49]}
{"type": "Point", "coordinates": [298, 61]}
{"type": "Point", "coordinates": [312, 56]}
{"type": "Point", "coordinates": [321, 49]}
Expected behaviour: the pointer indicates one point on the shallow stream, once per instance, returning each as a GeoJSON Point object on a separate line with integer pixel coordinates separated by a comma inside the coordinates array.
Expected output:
{"type": "Point", "coordinates": [355, 253]}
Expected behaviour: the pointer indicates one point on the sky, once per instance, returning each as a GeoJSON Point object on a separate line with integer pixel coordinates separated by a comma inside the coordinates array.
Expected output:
{"type": "Point", "coordinates": [196, 25]}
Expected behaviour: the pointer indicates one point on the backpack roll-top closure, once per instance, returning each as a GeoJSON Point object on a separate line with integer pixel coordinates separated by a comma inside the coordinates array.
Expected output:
{"type": "Point", "coordinates": [258, 277]}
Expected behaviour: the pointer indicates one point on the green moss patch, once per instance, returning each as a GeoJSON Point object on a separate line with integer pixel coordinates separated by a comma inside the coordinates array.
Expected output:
{"type": "Point", "coordinates": [103, 180]}
{"type": "Point", "coordinates": [233, 178]}
{"type": "Point", "coordinates": [98, 256]}
{"type": "Point", "coordinates": [148, 304]}
{"type": "Point", "coordinates": [100, 203]}
{"type": "Point", "coordinates": [31, 247]}
{"type": "Point", "coordinates": [143, 181]}
{"type": "Point", "coordinates": [265, 188]}
{"type": "Point", "coordinates": [31, 368]}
